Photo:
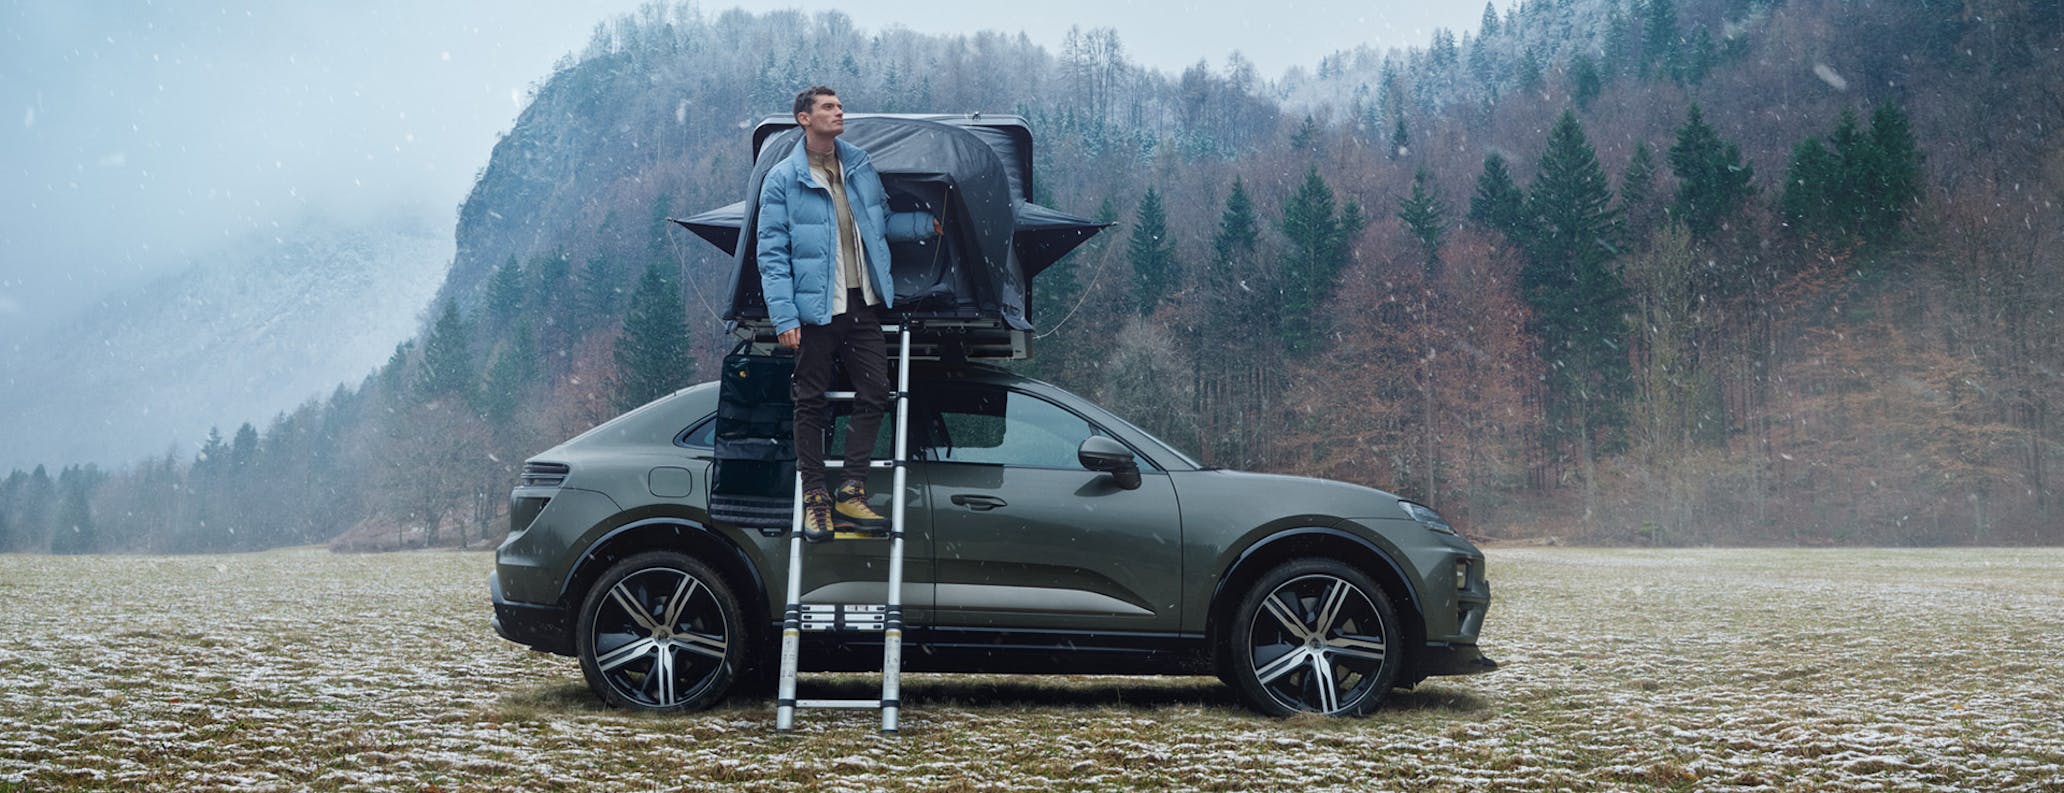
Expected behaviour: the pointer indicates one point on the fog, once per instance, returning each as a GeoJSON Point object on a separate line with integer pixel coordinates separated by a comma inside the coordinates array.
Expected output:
{"type": "Point", "coordinates": [147, 134]}
{"type": "Point", "coordinates": [137, 138]}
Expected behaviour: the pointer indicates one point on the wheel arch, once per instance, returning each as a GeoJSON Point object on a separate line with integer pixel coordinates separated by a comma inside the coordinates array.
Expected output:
{"type": "Point", "coordinates": [671, 533]}
{"type": "Point", "coordinates": [1314, 541]}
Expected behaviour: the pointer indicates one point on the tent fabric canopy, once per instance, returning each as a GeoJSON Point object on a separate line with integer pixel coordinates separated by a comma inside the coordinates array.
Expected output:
{"type": "Point", "coordinates": [1041, 237]}
{"type": "Point", "coordinates": [968, 172]}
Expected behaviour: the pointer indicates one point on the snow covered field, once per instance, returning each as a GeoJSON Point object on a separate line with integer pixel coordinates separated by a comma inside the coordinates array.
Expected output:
{"type": "Point", "coordinates": [1624, 669]}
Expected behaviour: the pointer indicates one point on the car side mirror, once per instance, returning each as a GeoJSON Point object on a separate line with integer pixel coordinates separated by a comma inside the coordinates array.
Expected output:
{"type": "Point", "coordinates": [1099, 453]}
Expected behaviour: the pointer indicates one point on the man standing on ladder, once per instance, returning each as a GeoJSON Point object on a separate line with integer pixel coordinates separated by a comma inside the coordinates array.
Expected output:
{"type": "Point", "coordinates": [824, 268]}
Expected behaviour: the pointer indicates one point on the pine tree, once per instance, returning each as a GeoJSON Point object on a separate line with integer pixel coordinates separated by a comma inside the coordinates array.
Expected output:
{"type": "Point", "coordinates": [1698, 59]}
{"type": "Point", "coordinates": [654, 355]}
{"type": "Point", "coordinates": [1498, 204]}
{"type": "Point", "coordinates": [29, 502]}
{"type": "Point", "coordinates": [213, 454]}
{"type": "Point", "coordinates": [1712, 181]}
{"type": "Point", "coordinates": [1237, 292]}
{"type": "Point", "coordinates": [1529, 71]}
{"type": "Point", "coordinates": [1578, 301]}
{"type": "Point", "coordinates": [1232, 365]}
{"type": "Point", "coordinates": [657, 226]}
{"type": "Point", "coordinates": [550, 297]}
{"type": "Point", "coordinates": [447, 366]}
{"type": "Point", "coordinates": [1586, 81]}
{"type": "Point", "coordinates": [72, 528]}
{"type": "Point", "coordinates": [209, 487]}
{"type": "Point", "coordinates": [1483, 65]}
{"type": "Point", "coordinates": [238, 513]}
{"type": "Point", "coordinates": [1400, 140]}
{"type": "Point", "coordinates": [1859, 188]}
{"type": "Point", "coordinates": [1489, 26]}
{"type": "Point", "coordinates": [1848, 185]}
{"type": "Point", "coordinates": [505, 293]}
{"type": "Point", "coordinates": [243, 447]}
{"type": "Point", "coordinates": [391, 372]}
{"type": "Point", "coordinates": [511, 375]}
{"type": "Point", "coordinates": [38, 503]}
{"type": "Point", "coordinates": [1892, 177]}
{"type": "Point", "coordinates": [600, 292]}
{"type": "Point", "coordinates": [1659, 47]}
{"type": "Point", "coordinates": [1425, 217]}
{"type": "Point", "coordinates": [1390, 89]}
{"type": "Point", "coordinates": [1151, 253]}
{"type": "Point", "coordinates": [1637, 193]}
{"type": "Point", "coordinates": [1306, 137]}
{"type": "Point", "coordinates": [10, 495]}
{"type": "Point", "coordinates": [1441, 52]}
{"type": "Point", "coordinates": [1319, 242]}
{"type": "Point", "coordinates": [1620, 44]}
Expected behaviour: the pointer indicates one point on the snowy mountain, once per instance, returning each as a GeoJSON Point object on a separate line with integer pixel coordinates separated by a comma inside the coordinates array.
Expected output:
{"type": "Point", "coordinates": [264, 325]}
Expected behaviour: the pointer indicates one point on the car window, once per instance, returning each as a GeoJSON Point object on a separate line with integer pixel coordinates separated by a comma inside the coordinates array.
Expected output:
{"type": "Point", "coordinates": [703, 434]}
{"type": "Point", "coordinates": [700, 435]}
{"type": "Point", "coordinates": [1000, 427]}
{"type": "Point", "coordinates": [884, 438]}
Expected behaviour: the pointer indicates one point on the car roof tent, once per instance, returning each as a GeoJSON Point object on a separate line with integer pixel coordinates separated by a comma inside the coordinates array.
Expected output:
{"type": "Point", "coordinates": [972, 172]}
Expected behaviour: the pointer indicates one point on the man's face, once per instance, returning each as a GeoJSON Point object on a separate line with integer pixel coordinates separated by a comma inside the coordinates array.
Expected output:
{"type": "Point", "coordinates": [825, 120]}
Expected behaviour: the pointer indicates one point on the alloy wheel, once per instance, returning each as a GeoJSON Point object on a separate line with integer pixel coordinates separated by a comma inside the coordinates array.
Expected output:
{"type": "Point", "coordinates": [660, 637]}
{"type": "Point", "coordinates": [1318, 644]}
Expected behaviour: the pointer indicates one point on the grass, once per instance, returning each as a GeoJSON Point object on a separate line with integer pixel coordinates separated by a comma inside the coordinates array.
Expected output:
{"type": "Point", "coordinates": [1624, 669]}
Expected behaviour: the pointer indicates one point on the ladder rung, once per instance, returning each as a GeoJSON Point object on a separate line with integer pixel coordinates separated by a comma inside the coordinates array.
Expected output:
{"type": "Point", "coordinates": [844, 617]}
{"type": "Point", "coordinates": [838, 703]}
{"type": "Point", "coordinates": [893, 395]}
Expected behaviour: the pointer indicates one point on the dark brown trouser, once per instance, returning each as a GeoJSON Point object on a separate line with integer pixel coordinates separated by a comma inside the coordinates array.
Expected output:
{"type": "Point", "coordinates": [854, 338]}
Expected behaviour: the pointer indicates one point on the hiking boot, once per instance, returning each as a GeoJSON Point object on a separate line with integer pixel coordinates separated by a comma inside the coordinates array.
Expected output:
{"type": "Point", "coordinates": [851, 512]}
{"type": "Point", "coordinates": [817, 525]}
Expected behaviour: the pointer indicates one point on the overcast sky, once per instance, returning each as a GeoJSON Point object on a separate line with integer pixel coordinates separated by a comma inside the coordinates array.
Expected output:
{"type": "Point", "coordinates": [135, 136]}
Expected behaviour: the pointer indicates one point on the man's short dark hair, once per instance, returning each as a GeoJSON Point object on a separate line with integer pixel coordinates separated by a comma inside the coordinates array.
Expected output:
{"type": "Point", "coordinates": [807, 100]}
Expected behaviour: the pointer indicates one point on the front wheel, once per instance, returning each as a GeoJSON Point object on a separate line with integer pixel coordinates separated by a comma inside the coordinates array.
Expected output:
{"type": "Point", "coordinates": [1313, 636]}
{"type": "Point", "coordinates": [660, 631]}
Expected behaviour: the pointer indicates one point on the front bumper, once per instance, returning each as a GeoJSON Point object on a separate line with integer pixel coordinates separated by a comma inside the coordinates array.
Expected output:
{"type": "Point", "coordinates": [538, 627]}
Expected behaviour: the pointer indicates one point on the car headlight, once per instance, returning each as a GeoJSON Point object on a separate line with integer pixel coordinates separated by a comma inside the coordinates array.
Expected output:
{"type": "Point", "coordinates": [1426, 516]}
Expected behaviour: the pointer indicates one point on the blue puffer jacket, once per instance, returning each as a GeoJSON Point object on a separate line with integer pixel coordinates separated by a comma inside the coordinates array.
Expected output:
{"type": "Point", "coordinates": [798, 238]}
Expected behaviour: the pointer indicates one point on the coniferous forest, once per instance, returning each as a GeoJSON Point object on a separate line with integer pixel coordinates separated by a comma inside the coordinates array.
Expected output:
{"type": "Point", "coordinates": [1661, 272]}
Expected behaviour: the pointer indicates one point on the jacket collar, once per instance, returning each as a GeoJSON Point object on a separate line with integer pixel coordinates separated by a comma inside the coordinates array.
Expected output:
{"type": "Point", "coordinates": [849, 156]}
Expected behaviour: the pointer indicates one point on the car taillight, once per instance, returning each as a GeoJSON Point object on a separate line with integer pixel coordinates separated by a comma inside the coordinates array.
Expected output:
{"type": "Point", "coordinates": [544, 474]}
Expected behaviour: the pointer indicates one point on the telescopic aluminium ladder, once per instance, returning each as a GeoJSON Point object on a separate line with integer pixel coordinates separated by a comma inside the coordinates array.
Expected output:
{"type": "Point", "coordinates": [886, 617]}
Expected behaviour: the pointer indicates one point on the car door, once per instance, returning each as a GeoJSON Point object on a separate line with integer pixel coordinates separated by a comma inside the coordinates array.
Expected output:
{"type": "Point", "coordinates": [1025, 537]}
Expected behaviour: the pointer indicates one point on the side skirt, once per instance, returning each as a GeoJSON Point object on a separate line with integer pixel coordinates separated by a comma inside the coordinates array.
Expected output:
{"type": "Point", "coordinates": [996, 651]}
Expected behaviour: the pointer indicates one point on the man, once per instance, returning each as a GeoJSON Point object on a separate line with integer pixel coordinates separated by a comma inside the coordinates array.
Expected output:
{"type": "Point", "coordinates": [824, 269]}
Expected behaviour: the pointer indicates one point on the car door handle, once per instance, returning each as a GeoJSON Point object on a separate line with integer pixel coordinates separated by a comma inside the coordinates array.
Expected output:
{"type": "Point", "coordinates": [978, 503]}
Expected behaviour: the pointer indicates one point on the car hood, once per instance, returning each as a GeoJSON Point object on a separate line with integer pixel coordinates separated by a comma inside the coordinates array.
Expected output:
{"type": "Point", "coordinates": [1281, 496]}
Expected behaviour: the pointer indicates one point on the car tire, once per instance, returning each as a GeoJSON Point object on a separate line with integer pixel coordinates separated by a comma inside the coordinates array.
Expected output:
{"type": "Point", "coordinates": [661, 631]}
{"type": "Point", "coordinates": [1313, 636]}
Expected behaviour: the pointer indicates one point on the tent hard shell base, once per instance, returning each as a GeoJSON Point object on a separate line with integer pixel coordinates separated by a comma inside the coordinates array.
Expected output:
{"type": "Point", "coordinates": [933, 338]}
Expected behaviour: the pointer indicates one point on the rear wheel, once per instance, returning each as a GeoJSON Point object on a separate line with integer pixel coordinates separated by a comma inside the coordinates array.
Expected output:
{"type": "Point", "coordinates": [1313, 636]}
{"type": "Point", "coordinates": [660, 631]}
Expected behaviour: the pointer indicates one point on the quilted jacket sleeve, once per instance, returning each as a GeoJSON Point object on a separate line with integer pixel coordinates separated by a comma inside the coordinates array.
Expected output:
{"type": "Point", "coordinates": [777, 282]}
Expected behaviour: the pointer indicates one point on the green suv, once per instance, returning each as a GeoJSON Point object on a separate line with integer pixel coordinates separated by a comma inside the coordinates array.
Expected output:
{"type": "Point", "coordinates": [1044, 535]}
